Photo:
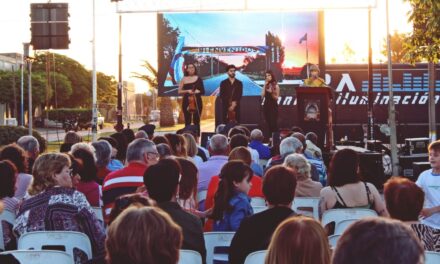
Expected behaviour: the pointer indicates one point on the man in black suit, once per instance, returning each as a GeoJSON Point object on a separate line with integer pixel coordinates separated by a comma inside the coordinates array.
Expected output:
{"type": "Point", "coordinates": [161, 181]}
{"type": "Point", "coordinates": [231, 90]}
{"type": "Point", "coordinates": [256, 231]}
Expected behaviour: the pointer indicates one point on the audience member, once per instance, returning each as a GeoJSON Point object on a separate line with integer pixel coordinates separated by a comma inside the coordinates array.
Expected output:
{"type": "Point", "coordinates": [114, 163]}
{"type": "Point", "coordinates": [187, 196]}
{"type": "Point", "coordinates": [299, 240]}
{"type": "Point", "coordinates": [17, 156]}
{"type": "Point", "coordinates": [194, 131]}
{"type": "Point", "coordinates": [141, 134]}
{"type": "Point", "coordinates": [76, 166]}
{"type": "Point", "coordinates": [103, 153]}
{"type": "Point", "coordinates": [430, 184]}
{"type": "Point", "coordinates": [288, 146]}
{"type": "Point", "coordinates": [121, 146]}
{"type": "Point", "coordinates": [149, 129]}
{"type": "Point", "coordinates": [191, 147]}
{"type": "Point", "coordinates": [70, 138]}
{"type": "Point", "coordinates": [346, 190]}
{"type": "Point", "coordinates": [318, 164]}
{"type": "Point", "coordinates": [231, 201]}
{"type": "Point", "coordinates": [55, 205]}
{"type": "Point", "coordinates": [8, 173]}
{"type": "Point", "coordinates": [164, 150]}
{"type": "Point", "coordinates": [129, 200]}
{"type": "Point", "coordinates": [255, 232]}
{"type": "Point", "coordinates": [160, 140]}
{"type": "Point", "coordinates": [404, 201]}
{"type": "Point", "coordinates": [141, 153]}
{"type": "Point", "coordinates": [312, 145]}
{"type": "Point", "coordinates": [301, 167]}
{"type": "Point", "coordinates": [88, 185]}
{"type": "Point", "coordinates": [177, 145]}
{"type": "Point", "coordinates": [240, 140]}
{"type": "Point", "coordinates": [31, 147]}
{"type": "Point", "coordinates": [162, 183]}
{"type": "Point", "coordinates": [242, 154]}
{"type": "Point", "coordinates": [219, 150]}
{"type": "Point", "coordinates": [256, 143]}
{"type": "Point", "coordinates": [378, 240]}
{"type": "Point", "coordinates": [129, 134]}
{"type": "Point", "coordinates": [143, 235]}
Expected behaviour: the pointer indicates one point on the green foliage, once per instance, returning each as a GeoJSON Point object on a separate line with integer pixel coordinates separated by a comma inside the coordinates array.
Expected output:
{"type": "Point", "coordinates": [424, 42]}
{"type": "Point", "coordinates": [150, 77]}
{"type": "Point", "coordinates": [61, 114]}
{"type": "Point", "coordinates": [398, 51]}
{"type": "Point", "coordinates": [106, 88]}
{"type": "Point", "coordinates": [9, 134]}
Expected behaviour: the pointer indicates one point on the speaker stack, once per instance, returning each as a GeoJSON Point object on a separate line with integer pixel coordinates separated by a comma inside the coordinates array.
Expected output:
{"type": "Point", "coordinates": [50, 26]}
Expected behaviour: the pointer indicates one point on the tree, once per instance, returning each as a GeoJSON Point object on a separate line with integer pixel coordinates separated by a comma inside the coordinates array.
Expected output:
{"type": "Point", "coordinates": [168, 43]}
{"type": "Point", "coordinates": [424, 44]}
{"type": "Point", "coordinates": [166, 107]}
{"type": "Point", "coordinates": [398, 51]}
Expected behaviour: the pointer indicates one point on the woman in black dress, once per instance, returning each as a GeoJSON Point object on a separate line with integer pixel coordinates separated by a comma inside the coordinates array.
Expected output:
{"type": "Point", "coordinates": [270, 93]}
{"type": "Point", "coordinates": [191, 86]}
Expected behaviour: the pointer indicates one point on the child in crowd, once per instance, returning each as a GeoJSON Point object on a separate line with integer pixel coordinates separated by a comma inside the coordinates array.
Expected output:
{"type": "Point", "coordinates": [231, 202]}
{"type": "Point", "coordinates": [429, 181]}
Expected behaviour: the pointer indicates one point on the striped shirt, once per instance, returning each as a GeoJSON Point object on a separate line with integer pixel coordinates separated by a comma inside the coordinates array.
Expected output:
{"type": "Point", "coordinates": [120, 182]}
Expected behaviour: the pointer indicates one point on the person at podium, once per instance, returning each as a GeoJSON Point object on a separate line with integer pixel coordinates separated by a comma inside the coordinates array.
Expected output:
{"type": "Point", "coordinates": [314, 80]}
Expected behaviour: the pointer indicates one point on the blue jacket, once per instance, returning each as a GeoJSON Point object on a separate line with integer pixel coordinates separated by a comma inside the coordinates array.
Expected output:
{"type": "Point", "coordinates": [241, 208]}
{"type": "Point", "coordinates": [263, 150]}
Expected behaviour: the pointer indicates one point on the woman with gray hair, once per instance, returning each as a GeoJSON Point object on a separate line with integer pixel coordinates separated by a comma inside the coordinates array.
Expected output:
{"type": "Point", "coordinates": [301, 167]}
{"type": "Point", "coordinates": [103, 153]}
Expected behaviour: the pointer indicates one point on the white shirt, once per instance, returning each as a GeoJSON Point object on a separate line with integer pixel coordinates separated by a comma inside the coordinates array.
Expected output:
{"type": "Point", "coordinates": [430, 184]}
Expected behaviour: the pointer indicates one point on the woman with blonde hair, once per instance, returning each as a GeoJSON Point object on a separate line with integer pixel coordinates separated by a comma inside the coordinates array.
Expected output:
{"type": "Point", "coordinates": [305, 187]}
{"type": "Point", "coordinates": [299, 240]}
{"type": "Point", "coordinates": [191, 148]}
{"type": "Point", "coordinates": [56, 206]}
{"type": "Point", "coordinates": [143, 235]}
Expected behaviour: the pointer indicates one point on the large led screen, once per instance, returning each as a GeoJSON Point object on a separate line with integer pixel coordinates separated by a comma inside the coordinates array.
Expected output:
{"type": "Point", "coordinates": [253, 42]}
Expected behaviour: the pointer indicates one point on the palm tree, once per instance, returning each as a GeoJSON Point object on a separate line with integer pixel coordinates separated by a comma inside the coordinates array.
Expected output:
{"type": "Point", "coordinates": [166, 106]}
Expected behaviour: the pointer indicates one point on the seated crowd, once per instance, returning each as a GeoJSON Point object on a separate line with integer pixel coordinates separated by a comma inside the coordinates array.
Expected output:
{"type": "Point", "coordinates": [159, 194]}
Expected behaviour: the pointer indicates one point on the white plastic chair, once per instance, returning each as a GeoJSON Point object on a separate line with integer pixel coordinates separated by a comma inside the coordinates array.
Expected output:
{"type": "Point", "coordinates": [306, 202]}
{"type": "Point", "coordinates": [344, 224]}
{"type": "Point", "coordinates": [256, 257]}
{"type": "Point", "coordinates": [69, 239]}
{"type": "Point", "coordinates": [40, 256]}
{"type": "Point", "coordinates": [8, 217]}
{"type": "Point", "coordinates": [201, 196]}
{"type": "Point", "coordinates": [338, 215]}
{"type": "Point", "coordinates": [333, 240]}
{"type": "Point", "coordinates": [189, 257]}
{"type": "Point", "coordinates": [258, 209]}
{"type": "Point", "coordinates": [432, 257]}
{"type": "Point", "coordinates": [258, 201]}
{"type": "Point", "coordinates": [98, 213]}
{"type": "Point", "coordinates": [217, 239]}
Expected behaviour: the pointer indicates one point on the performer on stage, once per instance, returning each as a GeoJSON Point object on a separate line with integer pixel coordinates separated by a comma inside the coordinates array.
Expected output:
{"type": "Point", "coordinates": [314, 80]}
{"type": "Point", "coordinates": [270, 93]}
{"type": "Point", "coordinates": [191, 86]}
{"type": "Point", "coordinates": [231, 91]}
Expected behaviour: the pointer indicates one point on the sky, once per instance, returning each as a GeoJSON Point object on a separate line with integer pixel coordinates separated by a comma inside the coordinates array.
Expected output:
{"type": "Point", "coordinates": [139, 39]}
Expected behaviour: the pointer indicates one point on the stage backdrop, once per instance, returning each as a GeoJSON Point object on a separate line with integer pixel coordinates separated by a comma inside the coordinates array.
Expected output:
{"type": "Point", "coordinates": [254, 42]}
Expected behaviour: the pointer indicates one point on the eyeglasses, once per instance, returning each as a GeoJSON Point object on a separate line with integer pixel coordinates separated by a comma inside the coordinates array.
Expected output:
{"type": "Point", "coordinates": [71, 172]}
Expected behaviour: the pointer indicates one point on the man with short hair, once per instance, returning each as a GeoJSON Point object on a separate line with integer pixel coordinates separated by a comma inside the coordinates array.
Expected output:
{"type": "Point", "coordinates": [257, 144]}
{"type": "Point", "coordinates": [31, 147]}
{"type": "Point", "coordinates": [255, 232]}
{"type": "Point", "coordinates": [162, 183]}
{"type": "Point", "coordinates": [141, 134]}
{"type": "Point", "coordinates": [231, 91]}
{"type": "Point", "coordinates": [219, 150]}
{"type": "Point", "coordinates": [288, 146]}
{"type": "Point", "coordinates": [141, 153]}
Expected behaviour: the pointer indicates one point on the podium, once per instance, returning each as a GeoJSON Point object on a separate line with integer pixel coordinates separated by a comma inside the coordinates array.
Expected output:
{"type": "Point", "coordinates": [314, 113]}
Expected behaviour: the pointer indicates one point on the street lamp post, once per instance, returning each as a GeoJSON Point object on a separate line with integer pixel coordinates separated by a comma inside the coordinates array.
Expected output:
{"type": "Point", "coordinates": [119, 126]}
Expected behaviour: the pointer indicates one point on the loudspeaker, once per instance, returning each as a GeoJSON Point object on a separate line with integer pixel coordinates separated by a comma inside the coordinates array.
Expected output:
{"type": "Point", "coordinates": [50, 26]}
{"type": "Point", "coordinates": [371, 168]}
{"type": "Point", "coordinates": [406, 164]}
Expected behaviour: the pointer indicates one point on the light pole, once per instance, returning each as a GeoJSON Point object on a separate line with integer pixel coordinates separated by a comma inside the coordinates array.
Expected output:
{"type": "Point", "coordinates": [94, 92]}
{"type": "Point", "coordinates": [119, 126]}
